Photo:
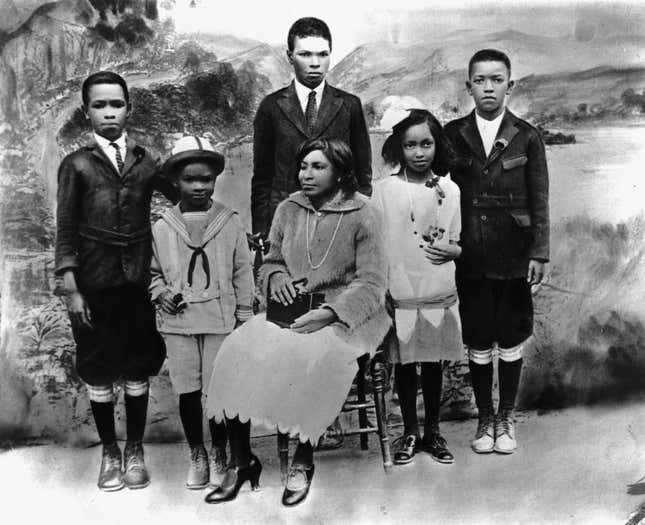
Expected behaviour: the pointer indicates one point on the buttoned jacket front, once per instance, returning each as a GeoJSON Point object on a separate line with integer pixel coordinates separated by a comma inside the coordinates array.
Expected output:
{"type": "Point", "coordinates": [504, 198]}
{"type": "Point", "coordinates": [103, 217]}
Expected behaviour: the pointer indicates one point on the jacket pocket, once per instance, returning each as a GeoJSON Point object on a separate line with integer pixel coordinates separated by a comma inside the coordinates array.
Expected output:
{"type": "Point", "coordinates": [514, 162]}
{"type": "Point", "coordinates": [522, 218]}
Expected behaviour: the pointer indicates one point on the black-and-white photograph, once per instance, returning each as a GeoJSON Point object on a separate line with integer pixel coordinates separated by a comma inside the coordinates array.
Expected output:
{"type": "Point", "coordinates": [329, 263]}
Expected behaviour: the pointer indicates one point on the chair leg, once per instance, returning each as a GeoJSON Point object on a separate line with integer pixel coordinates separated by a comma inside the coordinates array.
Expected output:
{"type": "Point", "coordinates": [379, 402]}
{"type": "Point", "coordinates": [360, 393]}
{"type": "Point", "coordinates": [283, 454]}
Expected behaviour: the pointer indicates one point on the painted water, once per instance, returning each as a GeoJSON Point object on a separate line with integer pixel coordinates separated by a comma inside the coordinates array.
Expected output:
{"type": "Point", "coordinates": [602, 175]}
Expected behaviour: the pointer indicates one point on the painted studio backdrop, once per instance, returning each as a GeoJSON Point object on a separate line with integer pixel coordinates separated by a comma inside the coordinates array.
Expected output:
{"type": "Point", "coordinates": [580, 78]}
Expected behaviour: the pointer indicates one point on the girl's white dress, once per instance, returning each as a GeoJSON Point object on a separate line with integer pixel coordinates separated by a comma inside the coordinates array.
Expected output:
{"type": "Point", "coordinates": [425, 295]}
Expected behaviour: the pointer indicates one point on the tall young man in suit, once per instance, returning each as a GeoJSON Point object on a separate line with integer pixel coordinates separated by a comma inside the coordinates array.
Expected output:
{"type": "Point", "coordinates": [308, 107]}
{"type": "Point", "coordinates": [504, 186]}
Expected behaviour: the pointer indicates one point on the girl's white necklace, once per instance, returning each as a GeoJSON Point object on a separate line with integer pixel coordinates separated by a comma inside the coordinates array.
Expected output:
{"type": "Point", "coordinates": [431, 182]}
{"type": "Point", "coordinates": [333, 237]}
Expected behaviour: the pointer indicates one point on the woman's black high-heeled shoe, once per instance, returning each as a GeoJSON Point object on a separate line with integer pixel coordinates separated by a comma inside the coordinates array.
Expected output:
{"type": "Point", "coordinates": [233, 480]}
{"type": "Point", "coordinates": [293, 496]}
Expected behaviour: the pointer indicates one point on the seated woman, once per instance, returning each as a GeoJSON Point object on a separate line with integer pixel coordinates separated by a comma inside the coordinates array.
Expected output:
{"type": "Point", "coordinates": [296, 379]}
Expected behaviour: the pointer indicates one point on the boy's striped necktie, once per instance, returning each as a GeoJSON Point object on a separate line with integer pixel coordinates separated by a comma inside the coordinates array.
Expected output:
{"type": "Point", "coordinates": [119, 158]}
{"type": "Point", "coordinates": [311, 112]}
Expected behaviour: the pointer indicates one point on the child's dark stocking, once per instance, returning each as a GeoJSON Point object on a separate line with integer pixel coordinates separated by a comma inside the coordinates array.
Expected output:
{"type": "Point", "coordinates": [102, 403]}
{"type": "Point", "coordinates": [405, 380]}
{"type": "Point", "coordinates": [104, 419]}
{"type": "Point", "coordinates": [481, 376]}
{"type": "Point", "coordinates": [136, 408]}
{"type": "Point", "coordinates": [509, 380]}
{"type": "Point", "coordinates": [218, 433]}
{"type": "Point", "coordinates": [191, 414]}
{"type": "Point", "coordinates": [431, 383]}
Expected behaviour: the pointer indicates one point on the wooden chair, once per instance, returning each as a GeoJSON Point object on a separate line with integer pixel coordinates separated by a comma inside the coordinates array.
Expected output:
{"type": "Point", "coordinates": [359, 403]}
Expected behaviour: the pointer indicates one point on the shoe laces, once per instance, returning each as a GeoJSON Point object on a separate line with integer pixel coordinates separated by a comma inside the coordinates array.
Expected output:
{"type": "Point", "coordinates": [111, 461]}
{"type": "Point", "coordinates": [505, 423]}
{"type": "Point", "coordinates": [484, 426]}
{"type": "Point", "coordinates": [218, 459]}
{"type": "Point", "coordinates": [199, 456]}
{"type": "Point", "coordinates": [134, 455]}
{"type": "Point", "coordinates": [438, 441]}
{"type": "Point", "coordinates": [406, 441]}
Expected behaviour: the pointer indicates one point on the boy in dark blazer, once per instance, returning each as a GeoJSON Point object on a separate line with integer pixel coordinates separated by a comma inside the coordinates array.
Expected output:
{"type": "Point", "coordinates": [503, 178]}
{"type": "Point", "coordinates": [103, 253]}
{"type": "Point", "coordinates": [307, 108]}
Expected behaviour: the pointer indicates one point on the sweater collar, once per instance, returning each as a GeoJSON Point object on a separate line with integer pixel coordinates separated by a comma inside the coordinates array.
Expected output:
{"type": "Point", "coordinates": [340, 203]}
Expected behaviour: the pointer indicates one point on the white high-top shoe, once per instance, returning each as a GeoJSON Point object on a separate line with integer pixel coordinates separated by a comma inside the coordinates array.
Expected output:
{"type": "Point", "coordinates": [505, 433]}
{"type": "Point", "coordinates": [484, 441]}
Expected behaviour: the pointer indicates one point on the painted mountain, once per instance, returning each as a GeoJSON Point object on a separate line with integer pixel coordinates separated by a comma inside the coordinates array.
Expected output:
{"type": "Point", "coordinates": [555, 75]}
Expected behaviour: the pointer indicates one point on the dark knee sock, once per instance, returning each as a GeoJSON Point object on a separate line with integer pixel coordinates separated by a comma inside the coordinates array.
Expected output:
{"type": "Point", "coordinates": [431, 382]}
{"type": "Point", "coordinates": [304, 454]}
{"type": "Point", "coordinates": [405, 380]}
{"type": "Point", "coordinates": [240, 440]}
{"type": "Point", "coordinates": [482, 380]}
{"type": "Point", "coordinates": [509, 381]}
{"type": "Point", "coordinates": [136, 408]}
{"type": "Point", "coordinates": [218, 433]}
{"type": "Point", "coordinates": [104, 419]}
{"type": "Point", "coordinates": [190, 412]}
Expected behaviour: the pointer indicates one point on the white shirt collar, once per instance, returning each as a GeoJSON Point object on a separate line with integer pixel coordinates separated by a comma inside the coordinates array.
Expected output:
{"type": "Point", "coordinates": [105, 143]}
{"type": "Point", "coordinates": [488, 130]}
{"type": "Point", "coordinates": [303, 93]}
{"type": "Point", "coordinates": [109, 151]}
{"type": "Point", "coordinates": [493, 124]}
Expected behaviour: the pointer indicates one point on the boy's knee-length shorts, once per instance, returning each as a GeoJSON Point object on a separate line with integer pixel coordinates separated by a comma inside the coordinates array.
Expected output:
{"type": "Point", "coordinates": [495, 311]}
{"type": "Point", "coordinates": [124, 342]}
{"type": "Point", "coordinates": [190, 360]}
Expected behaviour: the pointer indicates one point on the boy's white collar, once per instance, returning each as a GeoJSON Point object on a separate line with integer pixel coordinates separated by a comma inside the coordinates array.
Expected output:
{"type": "Point", "coordinates": [105, 143]}
{"type": "Point", "coordinates": [481, 121]}
{"type": "Point", "coordinates": [303, 91]}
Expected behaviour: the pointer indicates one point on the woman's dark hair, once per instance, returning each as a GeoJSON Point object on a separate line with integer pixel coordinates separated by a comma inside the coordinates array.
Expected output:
{"type": "Point", "coordinates": [444, 157]}
{"type": "Point", "coordinates": [103, 77]}
{"type": "Point", "coordinates": [309, 26]}
{"type": "Point", "coordinates": [339, 156]}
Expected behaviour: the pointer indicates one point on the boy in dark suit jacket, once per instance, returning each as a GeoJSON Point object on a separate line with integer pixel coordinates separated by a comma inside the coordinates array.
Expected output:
{"type": "Point", "coordinates": [306, 108]}
{"type": "Point", "coordinates": [103, 253]}
{"type": "Point", "coordinates": [503, 178]}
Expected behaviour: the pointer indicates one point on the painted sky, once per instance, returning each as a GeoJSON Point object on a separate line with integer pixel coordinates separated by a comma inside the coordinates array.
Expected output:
{"type": "Point", "coordinates": [355, 23]}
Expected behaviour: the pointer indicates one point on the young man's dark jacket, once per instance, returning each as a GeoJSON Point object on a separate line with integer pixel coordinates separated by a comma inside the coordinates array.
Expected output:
{"type": "Point", "coordinates": [103, 218]}
{"type": "Point", "coordinates": [280, 128]}
{"type": "Point", "coordinates": [504, 198]}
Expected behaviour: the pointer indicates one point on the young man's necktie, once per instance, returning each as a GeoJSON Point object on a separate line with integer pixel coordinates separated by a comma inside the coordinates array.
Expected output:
{"type": "Point", "coordinates": [311, 112]}
{"type": "Point", "coordinates": [119, 159]}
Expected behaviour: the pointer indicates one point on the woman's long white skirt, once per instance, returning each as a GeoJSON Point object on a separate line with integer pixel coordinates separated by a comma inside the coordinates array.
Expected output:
{"type": "Point", "coordinates": [280, 379]}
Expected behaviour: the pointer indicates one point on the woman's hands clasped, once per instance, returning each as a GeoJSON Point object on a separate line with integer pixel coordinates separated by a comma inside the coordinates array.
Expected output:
{"type": "Point", "coordinates": [441, 254]}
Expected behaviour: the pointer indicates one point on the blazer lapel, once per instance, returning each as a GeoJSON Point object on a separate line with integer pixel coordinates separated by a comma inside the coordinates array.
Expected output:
{"type": "Point", "coordinates": [329, 107]}
{"type": "Point", "coordinates": [131, 156]}
{"type": "Point", "coordinates": [507, 132]}
{"type": "Point", "coordinates": [290, 106]}
{"type": "Point", "coordinates": [470, 133]}
{"type": "Point", "coordinates": [98, 152]}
